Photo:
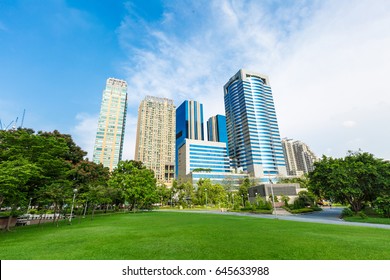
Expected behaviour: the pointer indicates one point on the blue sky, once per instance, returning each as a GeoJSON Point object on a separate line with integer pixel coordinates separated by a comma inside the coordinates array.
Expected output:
{"type": "Point", "coordinates": [328, 63]}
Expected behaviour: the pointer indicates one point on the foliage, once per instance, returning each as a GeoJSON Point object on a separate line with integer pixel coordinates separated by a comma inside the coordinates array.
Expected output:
{"type": "Point", "coordinates": [303, 181]}
{"type": "Point", "coordinates": [136, 184]}
{"type": "Point", "coordinates": [243, 189]}
{"type": "Point", "coordinates": [357, 179]}
{"type": "Point", "coordinates": [202, 170]}
{"type": "Point", "coordinates": [216, 194]}
{"type": "Point", "coordinates": [382, 204]}
{"type": "Point", "coordinates": [347, 212]}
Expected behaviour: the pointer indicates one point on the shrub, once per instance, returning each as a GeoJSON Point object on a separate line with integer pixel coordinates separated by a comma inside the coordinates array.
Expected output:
{"type": "Point", "coordinates": [347, 212]}
{"type": "Point", "coordinates": [362, 215]}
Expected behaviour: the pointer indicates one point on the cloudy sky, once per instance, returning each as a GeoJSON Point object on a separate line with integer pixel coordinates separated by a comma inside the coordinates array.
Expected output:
{"type": "Point", "coordinates": [327, 61]}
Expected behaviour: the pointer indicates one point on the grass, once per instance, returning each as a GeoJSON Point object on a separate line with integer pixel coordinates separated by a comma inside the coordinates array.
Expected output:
{"type": "Point", "coordinates": [193, 236]}
{"type": "Point", "coordinates": [370, 220]}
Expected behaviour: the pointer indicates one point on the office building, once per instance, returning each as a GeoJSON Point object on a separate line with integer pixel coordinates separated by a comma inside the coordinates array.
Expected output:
{"type": "Point", "coordinates": [189, 125]}
{"type": "Point", "coordinates": [155, 142]}
{"type": "Point", "coordinates": [199, 159]}
{"type": "Point", "coordinates": [111, 125]}
{"type": "Point", "coordinates": [252, 128]}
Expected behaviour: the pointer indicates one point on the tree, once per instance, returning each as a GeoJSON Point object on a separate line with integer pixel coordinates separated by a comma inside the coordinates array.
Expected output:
{"type": "Point", "coordinates": [136, 184]}
{"type": "Point", "coordinates": [14, 178]}
{"type": "Point", "coordinates": [243, 189]}
{"type": "Point", "coordinates": [357, 179]}
{"type": "Point", "coordinates": [50, 156]}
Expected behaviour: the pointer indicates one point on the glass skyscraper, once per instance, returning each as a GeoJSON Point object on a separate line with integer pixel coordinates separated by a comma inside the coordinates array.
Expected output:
{"type": "Point", "coordinates": [111, 125]}
{"type": "Point", "coordinates": [252, 128]}
{"type": "Point", "coordinates": [189, 125]}
{"type": "Point", "coordinates": [216, 129]}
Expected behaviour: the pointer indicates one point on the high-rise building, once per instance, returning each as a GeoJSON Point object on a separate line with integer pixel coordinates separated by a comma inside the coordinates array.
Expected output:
{"type": "Point", "coordinates": [155, 142]}
{"type": "Point", "coordinates": [216, 129]}
{"type": "Point", "coordinates": [289, 156]}
{"type": "Point", "coordinates": [189, 125]}
{"type": "Point", "coordinates": [111, 125]}
{"type": "Point", "coordinates": [252, 128]}
{"type": "Point", "coordinates": [299, 158]}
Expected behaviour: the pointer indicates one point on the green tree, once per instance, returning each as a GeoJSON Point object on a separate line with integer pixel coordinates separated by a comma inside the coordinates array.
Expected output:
{"type": "Point", "coordinates": [136, 184]}
{"type": "Point", "coordinates": [14, 178]}
{"type": "Point", "coordinates": [243, 189]}
{"type": "Point", "coordinates": [357, 179]}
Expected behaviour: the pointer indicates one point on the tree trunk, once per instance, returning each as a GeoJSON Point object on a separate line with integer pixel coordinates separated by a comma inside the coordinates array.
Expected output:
{"type": "Point", "coordinates": [93, 211]}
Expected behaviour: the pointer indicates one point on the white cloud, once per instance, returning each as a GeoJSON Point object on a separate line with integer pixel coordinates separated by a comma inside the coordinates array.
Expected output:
{"type": "Point", "coordinates": [84, 132]}
{"type": "Point", "coordinates": [327, 63]}
{"type": "Point", "coordinates": [349, 124]}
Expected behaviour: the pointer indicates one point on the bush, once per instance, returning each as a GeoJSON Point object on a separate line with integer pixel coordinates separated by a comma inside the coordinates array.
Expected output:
{"type": "Point", "coordinates": [362, 215]}
{"type": "Point", "coordinates": [347, 212]}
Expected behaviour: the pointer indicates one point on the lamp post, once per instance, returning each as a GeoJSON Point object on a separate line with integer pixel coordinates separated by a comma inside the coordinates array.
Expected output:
{"type": "Point", "coordinates": [257, 202]}
{"type": "Point", "coordinates": [29, 204]}
{"type": "Point", "coordinates": [206, 197]}
{"type": "Point", "coordinates": [233, 199]}
{"type": "Point", "coordinates": [71, 211]}
{"type": "Point", "coordinates": [242, 200]}
{"type": "Point", "coordinates": [273, 197]}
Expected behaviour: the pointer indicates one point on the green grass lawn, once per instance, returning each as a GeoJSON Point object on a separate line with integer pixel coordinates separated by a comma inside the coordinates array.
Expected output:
{"type": "Point", "coordinates": [193, 236]}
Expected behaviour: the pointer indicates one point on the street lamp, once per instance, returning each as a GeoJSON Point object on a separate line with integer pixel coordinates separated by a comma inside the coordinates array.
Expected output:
{"type": "Point", "coordinates": [233, 199]}
{"type": "Point", "coordinates": [29, 204]}
{"type": "Point", "coordinates": [242, 200]}
{"type": "Point", "coordinates": [206, 197]}
{"type": "Point", "coordinates": [71, 211]}
{"type": "Point", "coordinates": [273, 197]}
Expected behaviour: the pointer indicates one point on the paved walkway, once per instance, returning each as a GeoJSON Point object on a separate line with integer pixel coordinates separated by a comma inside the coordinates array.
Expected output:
{"type": "Point", "coordinates": [327, 216]}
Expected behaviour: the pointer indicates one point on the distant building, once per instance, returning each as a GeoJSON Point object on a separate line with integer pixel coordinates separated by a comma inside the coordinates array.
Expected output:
{"type": "Point", "coordinates": [155, 142]}
{"type": "Point", "coordinates": [252, 128]}
{"type": "Point", "coordinates": [265, 191]}
{"type": "Point", "coordinates": [299, 158]}
{"type": "Point", "coordinates": [189, 125]}
{"type": "Point", "coordinates": [111, 125]}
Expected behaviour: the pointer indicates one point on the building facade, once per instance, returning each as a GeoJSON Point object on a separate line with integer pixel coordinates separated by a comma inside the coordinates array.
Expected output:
{"type": "Point", "coordinates": [299, 158]}
{"type": "Point", "coordinates": [111, 125]}
{"type": "Point", "coordinates": [189, 125]}
{"type": "Point", "coordinates": [155, 142]}
{"type": "Point", "coordinates": [252, 128]}
{"type": "Point", "coordinates": [199, 159]}
{"type": "Point", "coordinates": [216, 129]}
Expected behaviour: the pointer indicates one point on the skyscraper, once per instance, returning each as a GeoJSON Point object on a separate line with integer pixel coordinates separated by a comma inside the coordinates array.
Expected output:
{"type": "Point", "coordinates": [216, 129]}
{"type": "Point", "coordinates": [189, 124]}
{"type": "Point", "coordinates": [111, 125]}
{"type": "Point", "coordinates": [155, 143]}
{"type": "Point", "coordinates": [252, 128]}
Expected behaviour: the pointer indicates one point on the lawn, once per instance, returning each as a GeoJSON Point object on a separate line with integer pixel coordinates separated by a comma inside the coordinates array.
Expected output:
{"type": "Point", "coordinates": [193, 236]}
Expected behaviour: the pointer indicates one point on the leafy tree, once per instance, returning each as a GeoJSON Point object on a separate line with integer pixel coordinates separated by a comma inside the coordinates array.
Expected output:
{"type": "Point", "coordinates": [185, 194]}
{"type": "Point", "coordinates": [357, 179]}
{"type": "Point", "coordinates": [216, 194]}
{"type": "Point", "coordinates": [303, 181]}
{"type": "Point", "coordinates": [136, 184]}
{"type": "Point", "coordinates": [243, 189]}
{"type": "Point", "coordinates": [14, 177]}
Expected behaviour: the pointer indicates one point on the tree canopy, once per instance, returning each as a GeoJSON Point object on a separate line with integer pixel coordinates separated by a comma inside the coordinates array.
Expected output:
{"type": "Point", "coordinates": [357, 179]}
{"type": "Point", "coordinates": [136, 184]}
